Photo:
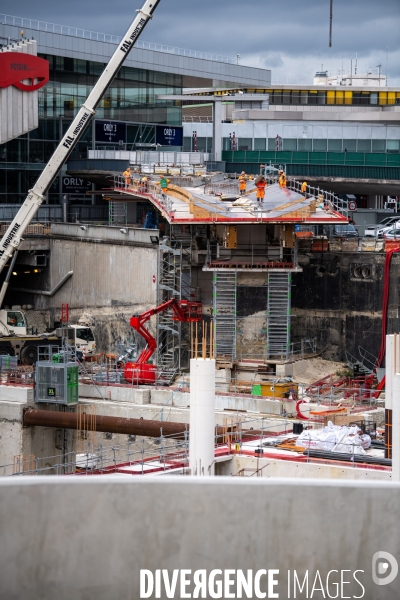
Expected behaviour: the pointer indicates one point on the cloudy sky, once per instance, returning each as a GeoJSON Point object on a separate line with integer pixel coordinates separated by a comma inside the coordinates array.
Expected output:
{"type": "Point", "coordinates": [290, 37]}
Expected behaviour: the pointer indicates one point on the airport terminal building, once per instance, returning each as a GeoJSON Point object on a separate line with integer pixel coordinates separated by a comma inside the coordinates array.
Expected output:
{"type": "Point", "coordinates": [76, 59]}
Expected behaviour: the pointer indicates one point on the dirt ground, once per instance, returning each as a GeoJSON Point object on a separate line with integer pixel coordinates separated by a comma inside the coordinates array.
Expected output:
{"type": "Point", "coordinates": [317, 368]}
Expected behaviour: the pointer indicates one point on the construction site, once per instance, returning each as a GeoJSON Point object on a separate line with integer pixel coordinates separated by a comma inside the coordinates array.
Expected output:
{"type": "Point", "coordinates": [220, 330]}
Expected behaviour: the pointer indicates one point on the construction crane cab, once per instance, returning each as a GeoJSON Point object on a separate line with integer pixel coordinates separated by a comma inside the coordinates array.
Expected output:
{"type": "Point", "coordinates": [12, 322]}
{"type": "Point", "coordinates": [141, 371]}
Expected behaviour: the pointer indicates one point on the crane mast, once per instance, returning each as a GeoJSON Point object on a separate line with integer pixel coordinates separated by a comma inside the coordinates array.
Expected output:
{"type": "Point", "coordinates": [13, 236]}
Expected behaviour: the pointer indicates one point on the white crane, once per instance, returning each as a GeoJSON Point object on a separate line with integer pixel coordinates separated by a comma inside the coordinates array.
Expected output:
{"type": "Point", "coordinates": [13, 236]}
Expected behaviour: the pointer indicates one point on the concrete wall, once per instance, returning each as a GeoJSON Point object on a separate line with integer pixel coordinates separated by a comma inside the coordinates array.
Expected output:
{"type": "Point", "coordinates": [27, 443]}
{"type": "Point", "coordinates": [268, 467]}
{"type": "Point", "coordinates": [89, 537]}
{"type": "Point", "coordinates": [104, 275]}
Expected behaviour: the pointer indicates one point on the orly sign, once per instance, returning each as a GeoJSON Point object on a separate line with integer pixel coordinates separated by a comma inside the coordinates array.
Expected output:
{"type": "Point", "coordinates": [169, 136]}
{"type": "Point", "coordinates": [16, 67]}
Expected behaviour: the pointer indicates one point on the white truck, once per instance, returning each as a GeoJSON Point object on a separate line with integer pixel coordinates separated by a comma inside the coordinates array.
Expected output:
{"type": "Point", "coordinates": [16, 341]}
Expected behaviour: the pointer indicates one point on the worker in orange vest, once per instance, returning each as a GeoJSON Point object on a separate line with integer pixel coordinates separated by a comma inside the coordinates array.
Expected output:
{"type": "Point", "coordinates": [127, 175]}
{"type": "Point", "coordinates": [304, 187]}
{"type": "Point", "coordinates": [242, 183]}
{"type": "Point", "coordinates": [261, 185]}
{"type": "Point", "coordinates": [282, 179]}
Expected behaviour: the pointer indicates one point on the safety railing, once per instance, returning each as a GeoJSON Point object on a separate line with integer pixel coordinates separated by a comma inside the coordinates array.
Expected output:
{"type": "Point", "coordinates": [252, 255]}
{"type": "Point", "coordinates": [86, 34]}
{"type": "Point", "coordinates": [297, 350]}
{"type": "Point", "coordinates": [143, 188]}
{"type": "Point", "coordinates": [327, 199]}
{"type": "Point", "coordinates": [242, 436]}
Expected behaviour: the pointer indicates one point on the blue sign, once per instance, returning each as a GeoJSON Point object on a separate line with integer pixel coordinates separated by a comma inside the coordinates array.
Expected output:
{"type": "Point", "coordinates": [169, 136]}
{"type": "Point", "coordinates": [110, 131]}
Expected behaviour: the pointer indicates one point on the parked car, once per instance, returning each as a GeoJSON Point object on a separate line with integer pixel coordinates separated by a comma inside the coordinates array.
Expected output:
{"type": "Point", "coordinates": [392, 234]}
{"type": "Point", "coordinates": [378, 230]}
{"type": "Point", "coordinates": [345, 231]}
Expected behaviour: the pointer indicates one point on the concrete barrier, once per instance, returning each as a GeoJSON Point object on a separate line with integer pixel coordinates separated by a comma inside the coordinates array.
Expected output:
{"type": "Point", "coordinates": [79, 537]}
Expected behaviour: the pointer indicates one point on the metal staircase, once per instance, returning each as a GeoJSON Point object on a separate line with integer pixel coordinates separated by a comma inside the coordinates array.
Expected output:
{"type": "Point", "coordinates": [224, 306]}
{"type": "Point", "coordinates": [117, 213]}
{"type": "Point", "coordinates": [278, 315]}
{"type": "Point", "coordinates": [364, 366]}
{"type": "Point", "coordinates": [174, 279]}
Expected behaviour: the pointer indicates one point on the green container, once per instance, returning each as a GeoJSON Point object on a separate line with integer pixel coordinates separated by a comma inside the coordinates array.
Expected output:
{"type": "Point", "coordinates": [256, 390]}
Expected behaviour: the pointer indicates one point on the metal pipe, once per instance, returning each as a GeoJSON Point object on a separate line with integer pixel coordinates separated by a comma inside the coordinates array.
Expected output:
{"type": "Point", "coordinates": [44, 293]}
{"type": "Point", "coordinates": [105, 424]}
{"type": "Point", "coordinates": [64, 420]}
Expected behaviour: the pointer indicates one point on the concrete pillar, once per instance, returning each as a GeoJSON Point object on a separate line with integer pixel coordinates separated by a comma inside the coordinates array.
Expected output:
{"type": "Point", "coordinates": [389, 372]}
{"type": "Point", "coordinates": [396, 428]}
{"type": "Point", "coordinates": [217, 129]}
{"type": "Point", "coordinates": [392, 366]}
{"type": "Point", "coordinates": [202, 416]}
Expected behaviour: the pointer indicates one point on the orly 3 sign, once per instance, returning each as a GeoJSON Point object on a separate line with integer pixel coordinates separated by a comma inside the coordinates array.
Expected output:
{"type": "Point", "coordinates": [16, 68]}
{"type": "Point", "coordinates": [169, 136]}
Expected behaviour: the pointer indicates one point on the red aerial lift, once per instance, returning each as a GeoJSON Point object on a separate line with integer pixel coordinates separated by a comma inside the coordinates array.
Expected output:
{"type": "Point", "coordinates": [184, 311]}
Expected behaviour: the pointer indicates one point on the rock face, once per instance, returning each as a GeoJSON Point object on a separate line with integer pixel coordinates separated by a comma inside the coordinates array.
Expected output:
{"type": "Point", "coordinates": [338, 299]}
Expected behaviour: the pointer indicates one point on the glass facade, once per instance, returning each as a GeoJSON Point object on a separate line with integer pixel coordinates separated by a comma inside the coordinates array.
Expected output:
{"type": "Point", "coordinates": [318, 96]}
{"type": "Point", "coordinates": [130, 98]}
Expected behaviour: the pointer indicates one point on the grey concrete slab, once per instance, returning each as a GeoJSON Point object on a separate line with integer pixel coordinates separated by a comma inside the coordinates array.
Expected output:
{"type": "Point", "coordinates": [79, 537]}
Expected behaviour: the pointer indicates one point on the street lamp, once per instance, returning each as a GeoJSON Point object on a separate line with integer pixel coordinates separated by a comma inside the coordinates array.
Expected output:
{"type": "Point", "coordinates": [237, 58]}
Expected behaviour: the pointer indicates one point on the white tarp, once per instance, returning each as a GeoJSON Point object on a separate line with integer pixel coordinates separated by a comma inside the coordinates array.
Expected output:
{"type": "Point", "coordinates": [335, 438]}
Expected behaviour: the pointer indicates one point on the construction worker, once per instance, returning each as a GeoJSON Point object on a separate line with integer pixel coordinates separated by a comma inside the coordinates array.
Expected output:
{"type": "Point", "coordinates": [282, 179]}
{"type": "Point", "coordinates": [144, 184]}
{"type": "Point", "coordinates": [242, 183]}
{"type": "Point", "coordinates": [261, 185]}
{"type": "Point", "coordinates": [127, 175]}
{"type": "Point", "coordinates": [304, 187]}
{"type": "Point", "coordinates": [164, 184]}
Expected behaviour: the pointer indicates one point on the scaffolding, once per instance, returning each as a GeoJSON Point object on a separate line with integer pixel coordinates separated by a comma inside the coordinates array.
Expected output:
{"type": "Point", "coordinates": [224, 310]}
{"type": "Point", "coordinates": [278, 314]}
{"type": "Point", "coordinates": [174, 281]}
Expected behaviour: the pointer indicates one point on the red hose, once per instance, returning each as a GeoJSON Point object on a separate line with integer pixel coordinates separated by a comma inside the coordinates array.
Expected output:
{"type": "Point", "coordinates": [385, 302]}
{"type": "Point", "coordinates": [299, 414]}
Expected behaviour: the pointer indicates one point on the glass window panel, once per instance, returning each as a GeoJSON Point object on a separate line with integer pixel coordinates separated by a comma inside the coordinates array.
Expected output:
{"type": "Point", "coordinates": [312, 97]}
{"type": "Point", "coordinates": [321, 98]}
{"type": "Point", "coordinates": [202, 144]}
{"type": "Point", "coordinates": [319, 145]}
{"type": "Point", "coordinates": [276, 97]}
{"type": "Point", "coordinates": [304, 145]}
{"type": "Point", "coordinates": [303, 97]}
{"type": "Point", "coordinates": [259, 143]}
{"type": "Point", "coordinates": [289, 144]}
{"type": "Point", "coordinates": [271, 144]}
{"type": "Point", "coordinates": [364, 146]}
{"type": "Point", "coordinates": [286, 97]}
{"type": "Point", "coordinates": [374, 98]}
{"type": "Point", "coordinates": [245, 144]}
{"type": "Point", "coordinates": [296, 97]}
{"type": "Point", "coordinates": [3, 181]}
{"type": "Point", "coordinates": [334, 145]}
{"type": "Point", "coordinates": [393, 145]}
{"type": "Point", "coordinates": [349, 145]}
{"type": "Point", "coordinates": [378, 145]}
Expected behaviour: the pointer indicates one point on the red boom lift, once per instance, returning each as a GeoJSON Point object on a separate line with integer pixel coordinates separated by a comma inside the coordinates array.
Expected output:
{"type": "Point", "coordinates": [182, 310]}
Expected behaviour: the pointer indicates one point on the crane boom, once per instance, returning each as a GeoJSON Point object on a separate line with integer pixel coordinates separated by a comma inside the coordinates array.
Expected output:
{"type": "Point", "coordinates": [13, 236]}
